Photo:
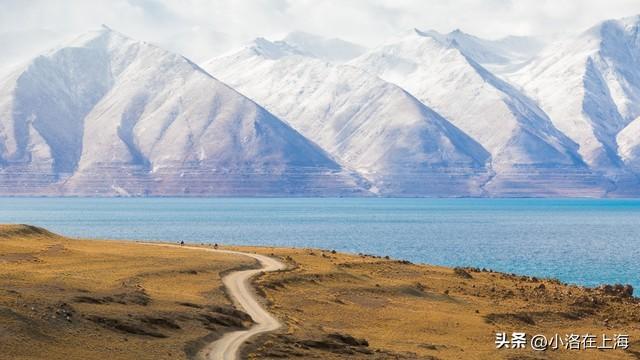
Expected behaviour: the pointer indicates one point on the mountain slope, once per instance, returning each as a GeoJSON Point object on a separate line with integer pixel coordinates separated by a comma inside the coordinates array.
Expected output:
{"type": "Point", "coordinates": [337, 50]}
{"type": "Point", "coordinates": [372, 126]}
{"type": "Point", "coordinates": [108, 115]}
{"type": "Point", "coordinates": [499, 56]}
{"type": "Point", "coordinates": [629, 145]}
{"type": "Point", "coordinates": [590, 87]}
{"type": "Point", "coordinates": [529, 155]}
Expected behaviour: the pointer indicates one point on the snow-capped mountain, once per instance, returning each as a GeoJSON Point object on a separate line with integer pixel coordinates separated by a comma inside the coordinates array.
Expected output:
{"type": "Point", "coordinates": [590, 87]}
{"type": "Point", "coordinates": [336, 50]}
{"type": "Point", "coordinates": [106, 114]}
{"type": "Point", "coordinates": [423, 114]}
{"type": "Point", "coordinates": [370, 125]}
{"type": "Point", "coordinates": [498, 56]}
{"type": "Point", "coordinates": [529, 155]}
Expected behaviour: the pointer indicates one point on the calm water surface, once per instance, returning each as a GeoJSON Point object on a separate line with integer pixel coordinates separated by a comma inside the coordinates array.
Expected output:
{"type": "Point", "coordinates": [580, 241]}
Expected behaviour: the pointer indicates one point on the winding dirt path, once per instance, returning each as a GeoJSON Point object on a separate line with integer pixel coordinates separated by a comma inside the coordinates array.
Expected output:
{"type": "Point", "coordinates": [239, 289]}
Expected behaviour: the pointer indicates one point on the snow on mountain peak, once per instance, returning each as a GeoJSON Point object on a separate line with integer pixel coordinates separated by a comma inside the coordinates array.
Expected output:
{"type": "Point", "coordinates": [273, 50]}
{"type": "Point", "coordinates": [299, 43]}
{"type": "Point", "coordinates": [590, 87]}
{"type": "Point", "coordinates": [110, 112]}
{"type": "Point", "coordinates": [501, 55]}
{"type": "Point", "coordinates": [509, 125]}
{"type": "Point", "coordinates": [370, 125]}
{"type": "Point", "coordinates": [329, 49]}
{"type": "Point", "coordinates": [425, 113]}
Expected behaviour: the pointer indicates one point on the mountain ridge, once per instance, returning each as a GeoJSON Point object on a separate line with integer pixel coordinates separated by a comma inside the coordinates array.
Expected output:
{"type": "Point", "coordinates": [590, 87]}
{"type": "Point", "coordinates": [422, 114]}
{"type": "Point", "coordinates": [372, 126]}
{"type": "Point", "coordinates": [129, 131]}
{"type": "Point", "coordinates": [518, 134]}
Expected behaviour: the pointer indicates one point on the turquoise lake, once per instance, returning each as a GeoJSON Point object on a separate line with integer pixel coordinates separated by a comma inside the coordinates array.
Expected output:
{"type": "Point", "coordinates": [579, 241]}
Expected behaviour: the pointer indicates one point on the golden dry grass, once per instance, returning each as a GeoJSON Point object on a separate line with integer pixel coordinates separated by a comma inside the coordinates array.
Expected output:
{"type": "Point", "coordinates": [75, 299]}
{"type": "Point", "coordinates": [88, 299]}
{"type": "Point", "coordinates": [412, 311]}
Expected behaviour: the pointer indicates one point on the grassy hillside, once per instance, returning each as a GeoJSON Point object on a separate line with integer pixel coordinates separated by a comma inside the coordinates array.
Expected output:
{"type": "Point", "coordinates": [75, 299]}
{"type": "Point", "coordinates": [88, 299]}
{"type": "Point", "coordinates": [339, 306]}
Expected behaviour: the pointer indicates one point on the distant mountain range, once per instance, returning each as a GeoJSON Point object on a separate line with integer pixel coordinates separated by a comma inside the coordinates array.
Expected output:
{"type": "Point", "coordinates": [422, 114]}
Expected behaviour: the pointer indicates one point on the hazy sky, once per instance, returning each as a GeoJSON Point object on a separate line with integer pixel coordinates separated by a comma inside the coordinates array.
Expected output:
{"type": "Point", "coordinates": [202, 28]}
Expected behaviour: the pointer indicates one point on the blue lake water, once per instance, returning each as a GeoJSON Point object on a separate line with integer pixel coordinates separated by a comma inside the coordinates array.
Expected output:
{"type": "Point", "coordinates": [580, 241]}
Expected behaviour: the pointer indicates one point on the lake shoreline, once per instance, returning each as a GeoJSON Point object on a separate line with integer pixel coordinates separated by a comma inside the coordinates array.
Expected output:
{"type": "Point", "coordinates": [523, 236]}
